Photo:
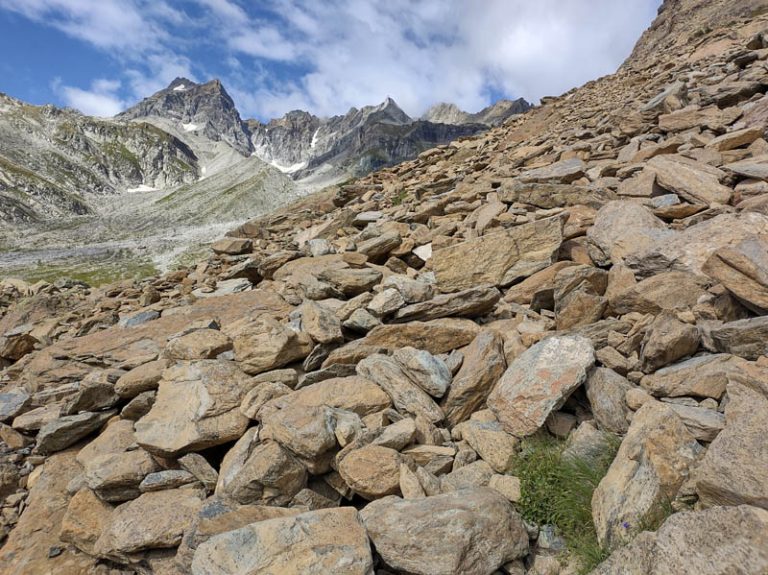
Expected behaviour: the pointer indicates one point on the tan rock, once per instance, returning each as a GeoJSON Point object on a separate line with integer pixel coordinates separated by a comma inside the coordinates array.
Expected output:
{"type": "Point", "coordinates": [666, 341]}
{"type": "Point", "coordinates": [406, 396]}
{"type": "Point", "coordinates": [315, 543]}
{"type": "Point", "coordinates": [264, 344]}
{"type": "Point", "coordinates": [86, 517]}
{"type": "Point", "coordinates": [372, 471]}
{"type": "Point", "coordinates": [115, 477]}
{"type": "Point", "coordinates": [266, 474]}
{"type": "Point", "coordinates": [200, 344]}
{"type": "Point", "coordinates": [743, 270]}
{"type": "Point", "coordinates": [232, 246]}
{"type": "Point", "coordinates": [140, 379]}
{"type": "Point", "coordinates": [483, 366]}
{"type": "Point", "coordinates": [473, 532]}
{"type": "Point", "coordinates": [732, 471]}
{"type": "Point", "coordinates": [539, 381]}
{"type": "Point", "coordinates": [153, 521]}
{"type": "Point", "coordinates": [320, 323]}
{"type": "Point", "coordinates": [27, 549]}
{"type": "Point", "coordinates": [653, 462]}
{"type": "Point", "coordinates": [694, 181]}
{"type": "Point", "coordinates": [665, 291]}
{"type": "Point", "coordinates": [197, 406]}
{"type": "Point", "coordinates": [498, 258]}
{"type": "Point", "coordinates": [717, 540]}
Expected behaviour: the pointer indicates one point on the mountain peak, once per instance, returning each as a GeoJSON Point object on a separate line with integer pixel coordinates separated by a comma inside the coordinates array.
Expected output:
{"type": "Point", "coordinates": [493, 115]}
{"type": "Point", "coordinates": [205, 108]}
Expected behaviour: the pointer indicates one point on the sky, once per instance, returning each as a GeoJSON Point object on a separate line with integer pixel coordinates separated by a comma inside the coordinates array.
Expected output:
{"type": "Point", "coordinates": [323, 56]}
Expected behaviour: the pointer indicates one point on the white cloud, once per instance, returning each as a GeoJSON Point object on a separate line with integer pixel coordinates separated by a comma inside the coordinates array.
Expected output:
{"type": "Point", "coordinates": [328, 56]}
{"type": "Point", "coordinates": [101, 100]}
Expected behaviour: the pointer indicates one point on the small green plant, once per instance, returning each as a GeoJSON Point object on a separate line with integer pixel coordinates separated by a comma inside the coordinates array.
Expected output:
{"type": "Point", "coordinates": [399, 198]}
{"type": "Point", "coordinates": [558, 490]}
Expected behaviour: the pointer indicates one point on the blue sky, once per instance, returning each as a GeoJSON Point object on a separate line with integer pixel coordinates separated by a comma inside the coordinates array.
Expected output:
{"type": "Point", "coordinates": [325, 56]}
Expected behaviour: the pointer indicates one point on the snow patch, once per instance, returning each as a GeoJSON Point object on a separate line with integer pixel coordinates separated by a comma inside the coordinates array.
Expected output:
{"type": "Point", "coordinates": [289, 169]}
{"type": "Point", "coordinates": [180, 88]}
{"type": "Point", "coordinates": [190, 127]}
{"type": "Point", "coordinates": [313, 143]}
{"type": "Point", "coordinates": [141, 188]}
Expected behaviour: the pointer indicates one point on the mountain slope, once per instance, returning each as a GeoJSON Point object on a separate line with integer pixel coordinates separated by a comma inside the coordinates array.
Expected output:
{"type": "Point", "coordinates": [54, 163]}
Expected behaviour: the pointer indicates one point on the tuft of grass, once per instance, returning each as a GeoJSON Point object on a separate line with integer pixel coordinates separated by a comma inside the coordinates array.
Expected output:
{"type": "Point", "coordinates": [558, 490]}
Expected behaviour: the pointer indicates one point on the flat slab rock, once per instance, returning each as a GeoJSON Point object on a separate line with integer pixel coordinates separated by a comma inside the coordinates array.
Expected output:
{"type": "Point", "coordinates": [539, 381]}
{"type": "Point", "coordinates": [500, 258]}
{"type": "Point", "coordinates": [471, 531]}
{"type": "Point", "coordinates": [315, 543]}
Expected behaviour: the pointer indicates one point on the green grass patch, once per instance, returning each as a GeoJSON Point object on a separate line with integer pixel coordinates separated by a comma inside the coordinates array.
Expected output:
{"type": "Point", "coordinates": [94, 273]}
{"type": "Point", "coordinates": [558, 491]}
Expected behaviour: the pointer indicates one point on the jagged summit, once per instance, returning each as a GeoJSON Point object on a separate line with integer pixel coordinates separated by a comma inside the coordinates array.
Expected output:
{"type": "Point", "coordinates": [206, 108]}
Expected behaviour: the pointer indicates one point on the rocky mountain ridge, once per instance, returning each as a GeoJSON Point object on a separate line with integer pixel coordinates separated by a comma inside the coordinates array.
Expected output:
{"type": "Point", "coordinates": [541, 350]}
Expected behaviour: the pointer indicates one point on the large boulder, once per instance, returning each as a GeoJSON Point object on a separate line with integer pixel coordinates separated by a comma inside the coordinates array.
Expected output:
{"type": "Point", "coordinates": [716, 541]}
{"type": "Point", "coordinates": [264, 344]}
{"type": "Point", "coordinates": [622, 228]}
{"type": "Point", "coordinates": [747, 338]}
{"type": "Point", "coordinates": [688, 250]}
{"type": "Point", "coordinates": [466, 303]}
{"type": "Point", "coordinates": [153, 521]}
{"type": "Point", "coordinates": [471, 531]}
{"type": "Point", "coordinates": [743, 270]}
{"type": "Point", "coordinates": [539, 382]}
{"type": "Point", "coordinates": [499, 258]}
{"type": "Point", "coordinates": [696, 182]}
{"type": "Point", "coordinates": [314, 543]}
{"type": "Point", "coordinates": [733, 471]}
{"type": "Point", "coordinates": [197, 406]}
{"type": "Point", "coordinates": [654, 460]}
{"type": "Point", "coordinates": [703, 376]}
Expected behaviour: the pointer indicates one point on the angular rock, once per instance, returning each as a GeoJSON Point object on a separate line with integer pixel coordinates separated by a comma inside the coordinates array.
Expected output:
{"type": "Point", "coordinates": [606, 391]}
{"type": "Point", "coordinates": [140, 379]}
{"type": "Point", "coordinates": [665, 291]}
{"type": "Point", "coordinates": [197, 406]}
{"type": "Point", "coordinates": [624, 228]}
{"type": "Point", "coordinates": [232, 246]}
{"type": "Point", "coordinates": [306, 431]}
{"type": "Point", "coordinates": [704, 376]}
{"type": "Point", "coordinates": [12, 403]}
{"type": "Point", "coordinates": [747, 338]}
{"type": "Point", "coordinates": [666, 341]}
{"type": "Point", "coordinates": [265, 344]}
{"type": "Point", "coordinates": [350, 281]}
{"type": "Point", "coordinates": [483, 366]}
{"type": "Point", "coordinates": [116, 477]}
{"type": "Point", "coordinates": [65, 431]}
{"type": "Point", "coordinates": [711, 542]}
{"type": "Point", "coordinates": [732, 471]}
{"type": "Point", "coordinates": [405, 395]}
{"type": "Point", "coordinates": [743, 270]}
{"type": "Point", "coordinates": [653, 462]}
{"type": "Point", "coordinates": [696, 182]}
{"type": "Point", "coordinates": [352, 393]}
{"type": "Point", "coordinates": [269, 475]}
{"type": "Point", "coordinates": [166, 479]}
{"type": "Point", "coordinates": [539, 381]}
{"type": "Point", "coordinates": [703, 423]}
{"type": "Point", "coordinates": [200, 344]}
{"type": "Point", "coordinates": [372, 471]}
{"type": "Point", "coordinates": [153, 521]}
{"type": "Point", "coordinates": [85, 519]}
{"type": "Point", "coordinates": [424, 369]}
{"type": "Point", "coordinates": [320, 323]}
{"type": "Point", "coordinates": [473, 532]}
{"type": "Point", "coordinates": [315, 543]}
{"type": "Point", "coordinates": [500, 258]}
{"type": "Point", "coordinates": [466, 303]}
{"type": "Point", "coordinates": [564, 172]}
